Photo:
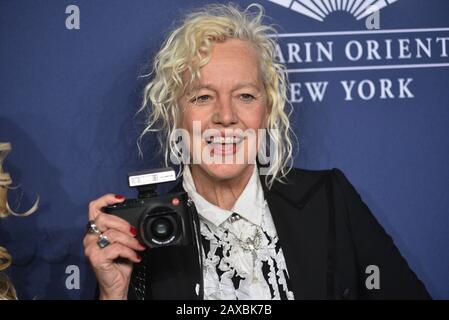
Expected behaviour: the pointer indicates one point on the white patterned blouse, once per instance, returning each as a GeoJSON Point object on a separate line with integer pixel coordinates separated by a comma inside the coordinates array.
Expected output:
{"type": "Point", "coordinates": [242, 255]}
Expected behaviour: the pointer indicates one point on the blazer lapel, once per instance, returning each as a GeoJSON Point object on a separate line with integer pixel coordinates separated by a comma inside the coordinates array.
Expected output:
{"type": "Point", "coordinates": [297, 210]}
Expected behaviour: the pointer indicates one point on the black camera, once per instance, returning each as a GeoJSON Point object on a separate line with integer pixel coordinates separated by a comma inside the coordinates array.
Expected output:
{"type": "Point", "coordinates": [160, 220]}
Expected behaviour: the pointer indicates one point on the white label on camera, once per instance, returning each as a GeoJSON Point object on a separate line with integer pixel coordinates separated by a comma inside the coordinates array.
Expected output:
{"type": "Point", "coordinates": [152, 178]}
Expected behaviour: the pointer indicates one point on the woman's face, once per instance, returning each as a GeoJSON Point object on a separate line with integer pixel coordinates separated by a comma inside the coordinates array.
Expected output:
{"type": "Point", "coordinates": [227, 103]}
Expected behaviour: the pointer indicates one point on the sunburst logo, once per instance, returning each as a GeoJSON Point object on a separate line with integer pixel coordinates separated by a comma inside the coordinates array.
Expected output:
{"type": "Point", "coordinates": [320, 9]}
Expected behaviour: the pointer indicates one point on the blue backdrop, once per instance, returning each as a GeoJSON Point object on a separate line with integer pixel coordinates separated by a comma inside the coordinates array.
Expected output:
{"type": "Point", "coordinates": [373, 103]}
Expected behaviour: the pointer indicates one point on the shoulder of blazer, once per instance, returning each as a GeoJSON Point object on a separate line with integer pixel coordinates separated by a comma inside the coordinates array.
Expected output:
{"type": "Point", "coordinates": [300, 185]}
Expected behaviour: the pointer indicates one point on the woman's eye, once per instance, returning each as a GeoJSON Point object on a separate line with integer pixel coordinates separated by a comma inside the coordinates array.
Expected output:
{"type": "Point", "coordinates": [247, 97]}
{"type": "Point", "coordinates": [200, 99]}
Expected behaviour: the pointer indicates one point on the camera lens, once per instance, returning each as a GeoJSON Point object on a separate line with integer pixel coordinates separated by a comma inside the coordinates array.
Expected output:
{"type": "Point", "coordinates": [162, 228]}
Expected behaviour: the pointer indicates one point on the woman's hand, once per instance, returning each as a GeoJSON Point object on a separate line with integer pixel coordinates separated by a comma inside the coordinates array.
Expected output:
{"type": "Point", "coordinates": [113, 274]}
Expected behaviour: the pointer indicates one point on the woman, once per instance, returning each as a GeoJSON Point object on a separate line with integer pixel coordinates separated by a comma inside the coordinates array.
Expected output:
{"type": "Point", "coordinates": [290, 234]}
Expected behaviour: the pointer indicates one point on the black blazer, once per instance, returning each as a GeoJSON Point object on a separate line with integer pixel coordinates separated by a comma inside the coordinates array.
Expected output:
{"type": "Point", "coordinates": [328, 236]}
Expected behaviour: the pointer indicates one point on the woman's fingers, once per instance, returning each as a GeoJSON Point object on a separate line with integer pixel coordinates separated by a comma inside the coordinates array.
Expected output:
{"type": "Point", "coordinates": [106, 221]}
{"type": "Point", "coordinates": [106, 200]}
{"type": "Point", "coordinates": [117, 250]}
{"type": "Point", "coordinates": [124, 239]}
{"type": "Point", "coordinates": [100, 257]}
{"type": "Point", "coordinates": [104, 257]}
{"type": "Point", "coordinates": [114, 236]}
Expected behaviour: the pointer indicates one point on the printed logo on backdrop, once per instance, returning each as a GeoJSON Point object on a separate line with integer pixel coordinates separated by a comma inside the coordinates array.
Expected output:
{"type": "Point", "coordinates": [355, 54]}
{"type": "Point", "coordinates": [320, 9]}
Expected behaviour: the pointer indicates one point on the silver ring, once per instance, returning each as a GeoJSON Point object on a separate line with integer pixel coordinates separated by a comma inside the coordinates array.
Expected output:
{"type": "Point", "coordinates": [103, 241]}
{"type": "Point", "coordinates": [92, 228]}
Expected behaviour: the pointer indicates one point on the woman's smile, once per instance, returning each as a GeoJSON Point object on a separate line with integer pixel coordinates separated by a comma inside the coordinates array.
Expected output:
{"type": "Point", "coordinates": [224, 145]}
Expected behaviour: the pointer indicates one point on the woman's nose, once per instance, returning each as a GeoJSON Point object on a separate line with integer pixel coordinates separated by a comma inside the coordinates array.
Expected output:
{"type": "Point", "coordinates": [224, 113]}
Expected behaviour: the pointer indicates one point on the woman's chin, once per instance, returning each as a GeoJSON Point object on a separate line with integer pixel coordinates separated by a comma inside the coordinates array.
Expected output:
{"type": "Point", "coordinates": [226, 171]}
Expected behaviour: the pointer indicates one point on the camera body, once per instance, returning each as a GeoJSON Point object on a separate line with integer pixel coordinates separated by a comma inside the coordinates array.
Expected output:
{"type": "Point", "coordinates": [160, 220]}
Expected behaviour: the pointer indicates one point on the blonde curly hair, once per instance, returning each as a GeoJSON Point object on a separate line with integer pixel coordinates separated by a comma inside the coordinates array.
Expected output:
{"type": "Point", "coordinates": [7, 291]}
{"type": "Point", "coordinates": [188, 48]}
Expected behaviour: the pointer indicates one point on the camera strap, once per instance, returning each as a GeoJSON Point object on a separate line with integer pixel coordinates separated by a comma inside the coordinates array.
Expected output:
{"type": "Point", "coordinates": [199, 290]}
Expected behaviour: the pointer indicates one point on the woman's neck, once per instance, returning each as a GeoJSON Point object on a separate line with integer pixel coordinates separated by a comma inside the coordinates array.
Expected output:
{"type": "Point", "coordinates": [222, 193]}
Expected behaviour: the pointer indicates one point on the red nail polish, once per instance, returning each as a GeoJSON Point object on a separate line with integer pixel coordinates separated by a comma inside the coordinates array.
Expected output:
{"type": "Point", "coordinates": [139, 257]}
{"type": "Point", "coordinates": [119, 197]}
{"type": "Point", "coordinates": [133, 231]}
{"type": "Point", "coordinates": [142, 245]}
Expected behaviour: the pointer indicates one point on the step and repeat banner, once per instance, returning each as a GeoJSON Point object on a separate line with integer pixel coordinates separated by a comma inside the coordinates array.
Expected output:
{"type": "Point", "coordinates": [369, 89]}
